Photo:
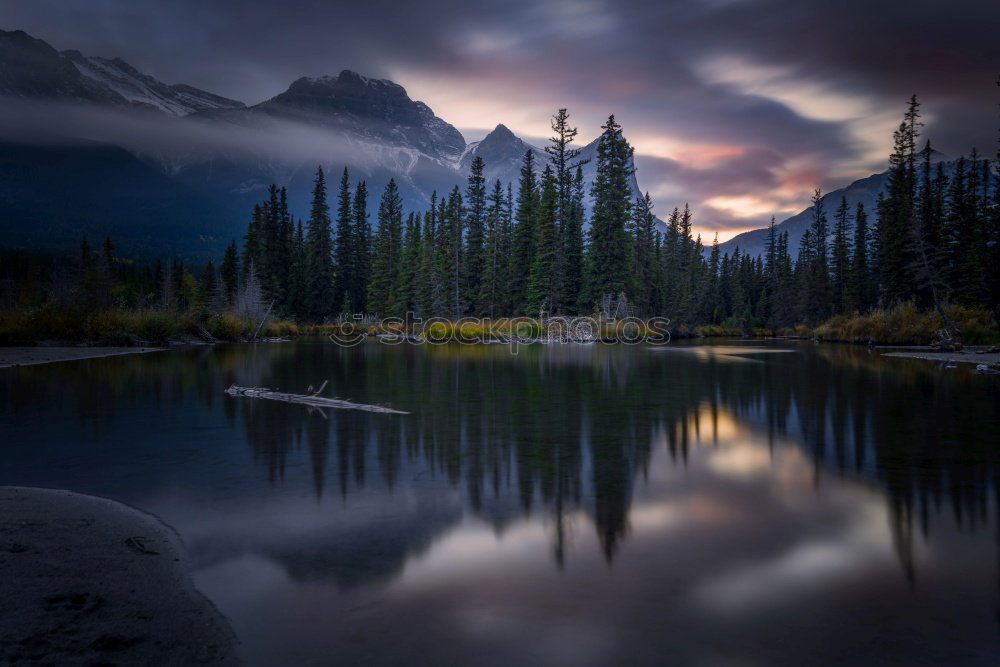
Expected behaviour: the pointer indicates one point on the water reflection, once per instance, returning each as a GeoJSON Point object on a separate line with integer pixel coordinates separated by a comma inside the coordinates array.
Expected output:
{"type": "Point", "coordinates": [759, 475]}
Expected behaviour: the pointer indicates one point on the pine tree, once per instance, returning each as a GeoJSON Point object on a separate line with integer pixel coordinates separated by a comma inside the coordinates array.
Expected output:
{"type": "Point", "coordinates": [410, 264]}
{"type": "Point", "coordinates": [861, 294]}
{"type": "Point", "coordinates": [361, 237]}
{"type": "Point", "coordinates": [543, 284]}
{"type": "Point", "coordinates": [319, 268]}
{"type": "Point", "coordinates": [956, 226]}
{"type": "Point", "coordinates": [896, 217]}
{"type": "Point", "coordinates": [452, 224]}
{"type": "Point", "coordinates": [298, 297]}
{"type": "Point", "coordinates": [671, 275]}
{"type": "Point", "coordinates": [383, 288]}
{"type": "Point", "coordinates": [428, 262]}
{"type": "Point", "coordinates": [813, 257]}
{"type": "Point", "coordinates": [495, 262]}
{"type": "Point", "coordinates": [841, 258]}
{"type": "Point", "coordinates": [443, 263]}
{"type": "Point", "coordinates": [522, 252]}
{"type": "Point", "coordinates": [474, 261]}
{"type": "Point", "coordinates": [345, 248]}
{"type": "Point", "coordinates": [608, 247]}
{"type": "Point", "coordinates": [572, 238]}
{"type": "Point", "coordinates": [687, 254]}
{"type": "Point", "coordinates": [784, 302]}
{"type": "Point", "coordinates": [644, 272]}
{"type": "Point", "coordinates": [713, 303]}
{"type": "Point", "coordinates": [562, 157]}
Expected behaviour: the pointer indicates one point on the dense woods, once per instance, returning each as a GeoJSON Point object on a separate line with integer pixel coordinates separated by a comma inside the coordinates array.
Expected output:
{"type": "Point", "coordinates": [503, 249]}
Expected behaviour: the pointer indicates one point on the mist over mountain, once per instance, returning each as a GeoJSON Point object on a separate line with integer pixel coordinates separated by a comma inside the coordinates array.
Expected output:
{"type": "Point", "coordinates": [204, 159]}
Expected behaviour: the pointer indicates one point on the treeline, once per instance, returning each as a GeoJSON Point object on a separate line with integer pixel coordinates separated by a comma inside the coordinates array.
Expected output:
{"type": "Point", "coordinates": [486, 251]}
{"type": "Point", "coordinates": [933, 240]}
{"type": "Point", "coordinates": [483, 251]}
{"type": "Point", "coordinates": [503, 249]}
{"type": "Point", "coordinates": [100, 278]}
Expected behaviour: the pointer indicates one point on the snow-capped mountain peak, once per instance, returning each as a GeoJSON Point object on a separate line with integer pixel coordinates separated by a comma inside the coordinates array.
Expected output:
{"type": "Point", "coordinates": [370, 109]}
{"type": "Point", "coordinates": [30, 68]}
{"type": "Point", "coordinates": [143, 90]}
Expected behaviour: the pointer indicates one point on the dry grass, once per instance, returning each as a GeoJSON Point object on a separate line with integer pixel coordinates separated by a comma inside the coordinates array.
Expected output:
{"type": "Point", "coordinates": [120, 327]}
{"type": "Point", "coordinates": [906, 325]}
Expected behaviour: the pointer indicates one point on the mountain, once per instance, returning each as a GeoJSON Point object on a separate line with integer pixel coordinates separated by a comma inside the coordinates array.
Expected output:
{"type": "Point", "coordinates": [31, 69]}
{"type": "Point", "coordinates": [203, 160]}
{"type": "Point", "coordinates": [142, 90]}
{"type": "Point", "coordinates": [502, 152]}
{"type": "Point", "coordinates": [371, 126]}
{"type": "Point", "coordinates": [376, 110]}
{"type": "Point", "coordinates": [864, 191]}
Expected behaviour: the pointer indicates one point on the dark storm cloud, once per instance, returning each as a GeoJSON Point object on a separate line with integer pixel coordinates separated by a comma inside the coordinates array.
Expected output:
{"type": "Point", "coordinates": [767, 86]}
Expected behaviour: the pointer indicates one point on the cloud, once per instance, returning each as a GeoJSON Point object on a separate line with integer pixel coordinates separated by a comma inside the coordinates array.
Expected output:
{"type": "Point", "coordinates": [788, 91]}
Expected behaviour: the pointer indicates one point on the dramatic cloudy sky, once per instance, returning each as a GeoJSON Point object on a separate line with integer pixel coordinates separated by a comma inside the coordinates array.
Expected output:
{"type": "Point", "coordinates": [739, 106]}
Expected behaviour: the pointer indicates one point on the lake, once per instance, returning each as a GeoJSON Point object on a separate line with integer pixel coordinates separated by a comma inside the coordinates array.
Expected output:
{"type": "Point", "coordinates": [738, 503]}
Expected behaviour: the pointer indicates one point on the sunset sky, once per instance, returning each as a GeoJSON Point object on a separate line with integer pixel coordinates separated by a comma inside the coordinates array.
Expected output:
{"type": "Point", "coordinates": [740, 107]}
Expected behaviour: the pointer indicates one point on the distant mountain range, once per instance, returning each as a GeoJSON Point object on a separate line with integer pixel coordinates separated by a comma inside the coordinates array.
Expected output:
{"type": "Point", "coordinates": [93, 146]}
{"type": "Point", "coordinates": [864, 191]}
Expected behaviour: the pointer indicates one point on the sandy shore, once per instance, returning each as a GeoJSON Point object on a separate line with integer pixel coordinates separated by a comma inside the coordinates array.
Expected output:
{"type": "Point", "coordinates": [963, 357]}
{"type": "Point", "coordinates": [29, 356]}
{"type": "Point", "coordinates": [90, 581]}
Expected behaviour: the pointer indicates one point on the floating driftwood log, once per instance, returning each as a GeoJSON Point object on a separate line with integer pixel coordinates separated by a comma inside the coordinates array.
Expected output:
{"type": "Point", "coordinates": [313, 400]}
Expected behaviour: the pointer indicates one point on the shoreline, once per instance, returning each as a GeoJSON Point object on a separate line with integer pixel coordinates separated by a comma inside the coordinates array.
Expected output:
{"type": "Point", "coordinates": [93, 581]}
{"type": "Point", "coordinates": [13, 357]}
{"type": "Point", "coordinates": [966, 356]}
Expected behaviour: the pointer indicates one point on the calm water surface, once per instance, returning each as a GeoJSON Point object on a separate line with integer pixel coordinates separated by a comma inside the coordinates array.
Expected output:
{"type": "Point", "coordinates": [734, 504]}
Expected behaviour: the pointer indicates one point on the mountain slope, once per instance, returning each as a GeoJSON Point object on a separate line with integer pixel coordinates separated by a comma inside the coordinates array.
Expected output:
{"type": "Point", "coordinates": [369, 125]}
{"type": "Point", "coordinates": [143, 90]}
{"type": "Point", "coordinates": [51, 196]}
{"type": "Point", "coordinates": [30, 68]}
{"type": "Point", "coordinates": [171, 142]}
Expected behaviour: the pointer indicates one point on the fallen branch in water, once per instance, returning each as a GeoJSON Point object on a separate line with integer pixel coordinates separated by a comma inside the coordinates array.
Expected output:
{"type": "Point", "coordinates": [312, 400]}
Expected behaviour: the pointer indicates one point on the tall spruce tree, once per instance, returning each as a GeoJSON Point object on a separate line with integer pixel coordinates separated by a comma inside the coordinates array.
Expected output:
{"type": "Point", "coordinates": [608, 248]}
{"type": "Point", "coordinates": [841, 258]}
{"type": "Point", "coordinates": [319, 251]}
{"type": "Point", "coordinates": [298, 286]}
{"type": "Point", "coordinates": [475, 222]}
{"type": "Point", "coordinates": [896, 217]}
{"type": "Point", "coordinates": [572, 247]}
{"type": "Point", "coordinates": [644, 271]}
{"type": "Point", "coordinates": [361, 237]}
{"type": "Point", "coordinates": [563, 159]}
{"type": "Point", "coordinates": [344, 246]}
{"type": "Point", "coordinates": [494, 279]}
{"type": "Point", "coordinates": [383, 288]}
{"type": "Point", "coordinates": [522, 252]}
{"type": "Point", "coordinates": [451, 215]}
{"type": "Point", "coordinates": [427, 278]}
{"type": "Point", "coordinates": [861, 294]}
{"type": "Point", "coordinates": [543, 283]}
{"type": "Point", "coordinates": [410, 264]}
{"type": "Point", "coordinates": [815, 268]}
